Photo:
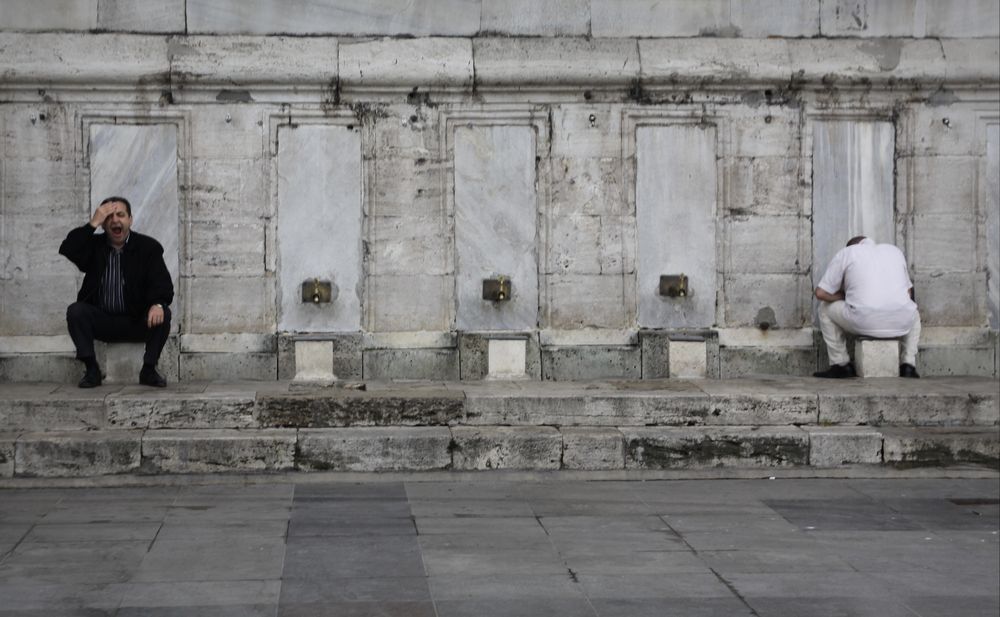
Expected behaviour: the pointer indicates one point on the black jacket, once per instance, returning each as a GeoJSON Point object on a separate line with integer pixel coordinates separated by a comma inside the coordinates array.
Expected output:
{"type": "Point", "coordinates": [146, 278]}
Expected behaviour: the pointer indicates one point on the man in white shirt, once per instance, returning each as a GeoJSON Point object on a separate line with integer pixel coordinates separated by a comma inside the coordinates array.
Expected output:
{"type": "Point", "coordinates": [866, 290]}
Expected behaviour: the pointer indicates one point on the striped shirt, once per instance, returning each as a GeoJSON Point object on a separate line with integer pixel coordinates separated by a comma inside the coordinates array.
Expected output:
{"type": "Point", "coordinates": [113, 284]}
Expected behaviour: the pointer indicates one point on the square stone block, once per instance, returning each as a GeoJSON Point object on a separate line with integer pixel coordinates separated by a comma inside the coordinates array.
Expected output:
{"type": "Point", "coordinates": [314, 361]}
{"type": "Point", "coordinates": [507, 359]}
{"type": "Point", "coordinates": [593, 448]}
{"type": "Point", "coordinates": [876, 358]}
{"type": "Point", "coordinates": [688, 359]}
{"type": "Point", "coordinates": [121, 362]}
{"type": "Point", "coordinates": [831, 446]}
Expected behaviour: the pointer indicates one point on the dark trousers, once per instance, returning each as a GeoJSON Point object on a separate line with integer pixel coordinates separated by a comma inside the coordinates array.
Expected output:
{"type": "Point", "coordinates": [87, 323]}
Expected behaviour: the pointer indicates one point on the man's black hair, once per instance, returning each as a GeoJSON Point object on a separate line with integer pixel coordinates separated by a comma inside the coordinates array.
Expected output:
{"type": "Point", "coordinates": [851, 242]}
{"type": "Point", "coordinates": [128, 206]}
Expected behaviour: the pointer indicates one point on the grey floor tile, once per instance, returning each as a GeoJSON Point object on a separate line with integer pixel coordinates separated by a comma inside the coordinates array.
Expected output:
{"type": "Point", "coordinates": [477, 562]}
{"type": "Point", "coordinates": [680, 584]}
{"type": "Point", "coordinates": [216, 560]}
{"type": "Point", "coordinates": [73, 563]}
{"type": "Point", "coordinates": [60, 612]}
{"type": "Point", "coordinates": [489, 508]}
{"type": "Point", "coordinates": [489, 489]}
{"type": "Point", "coordinates": [952, 606]}
{"type": "Point", "coordinates": [92, 532]}
{"type": "Point", "coordinates": [860, 514]}
{"type": "Point", "coordinates": [298, 528]}
{"type": "Point", "coordinates": [177, 530]}
{"type": "Point", "coordinates": [858, 585]}
{"type": "Point", "coordinates": [369, 589]}
{"type": "Point", "coordinates": [18, 511]}
{"type": "Point", "coordinates": [358, 609]}
{"type": "Point", "coordinates": [604, 524]}
{"type": "Point", "coordinates": [774, 561]}
{"type": "Point", "coordinates": [228, 512]}
{"type": "Point", "coordinates": [937, 514]}
{"type": "Point", "coordinates": [503, 587]}
{"type": "Point", "coordinates": [635, 563]}
{"type": "Point", "coordinates": [390, 491]}
{"type": "Point", "coordinates": [35, 596]}
{"type": "Point", "coordinates": [313, 558]}
{"type": "Point", "coordinates": [524, 527]}
{"type": "Point", "coordinates": [486, 542]}
{"type": "Point", "coordinates": [106, 512]}
{"type": "Point", "coordinates": [727, 522]}
{"type": "Point", "coordinates": [359, 509]}
{"type": "Point", "coordinates": [558, 507]}
{"type": "Point", "coordinates": [671, 607]}
{"type": "Point", "coordinates": [201, 594]}
{"type": "Point", "coordinates": [514, 607]}
{"type": "Point", "coordinates": [822, 606]}
{"type": "Point", "coordinates": [239, 610]}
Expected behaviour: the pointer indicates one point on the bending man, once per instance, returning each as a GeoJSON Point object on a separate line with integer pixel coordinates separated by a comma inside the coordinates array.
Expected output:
{"type": "Point", "coordinates": [866, 290]}
{"type": "Point", "coordinates": [125, 293]}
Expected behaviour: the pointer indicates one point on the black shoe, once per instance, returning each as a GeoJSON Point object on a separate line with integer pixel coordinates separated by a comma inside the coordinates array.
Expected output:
{"type": "Point", "coordinates": [91, 379]}
{"type": "Point", "coordinates": [837, 371]}
{"type": "Point", "coordinates": [149, 377]}
{"type": "Point", "coordinates": [908, 370]}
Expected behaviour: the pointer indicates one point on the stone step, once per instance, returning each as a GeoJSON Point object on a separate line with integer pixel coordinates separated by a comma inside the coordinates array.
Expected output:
{"type": "Point", "coordinates": [178, 451]}
{"type": "Point", "coordinates": [741, 402]}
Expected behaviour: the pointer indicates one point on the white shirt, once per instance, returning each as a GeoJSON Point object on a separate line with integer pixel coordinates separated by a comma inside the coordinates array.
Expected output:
{"type": "Point", "coordinates": [876, 288]}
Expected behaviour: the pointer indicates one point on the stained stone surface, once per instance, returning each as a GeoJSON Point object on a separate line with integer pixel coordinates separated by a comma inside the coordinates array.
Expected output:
{"type": "Point", "coordinates": [77, 453]}
{"type": "Point", "coordinates": [319, 226]}
{"type": "Point", "coordinates": [675, 218]}
{"type": "Point", "coordinates": [374, 449]}
{"type": "Point", "coordinates": [992, 202]}
{"type": "Point", "coordinates": [214, 450]}
{"type": "Point", "coordinates": [495, 225]}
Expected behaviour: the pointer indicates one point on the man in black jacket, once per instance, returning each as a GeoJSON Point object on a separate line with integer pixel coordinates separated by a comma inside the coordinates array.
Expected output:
{"type": "Point", "coordinates": [125, 293]}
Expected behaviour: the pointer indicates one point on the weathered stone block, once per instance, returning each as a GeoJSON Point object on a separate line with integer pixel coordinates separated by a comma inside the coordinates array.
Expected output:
{"type": "Point", "coordinates": [58, 411]}
{"type": "Point", "coordinates": [226, 248]}
{"type": "Point", "coordinates": [217, 450]}
{"type": "Point", "coordinates": [901, 405]}
{"type": "Point", "coordinates": [440, 364]}
{"type": "Point", "coordinates": [749, 294]}
{"type": "Point", "coordinates": [228, 366]}
{"type": "Point", "coordinates": [406, 186]}
{"type": "Point", "coordinates": [876, 358]}
{"type": "Point", "coordinates": [77, 453]}
{"type": "Point", "coordinates": [342, 408]}
{"type": "Point", "coordinates": [506, 447]}
{"type": "Point", "coordinates": [58, 368]}
{"type": "Point", "coordinates": [941, 243]}
{"type": "Point", "coordinates": [776, 18]}
{"type": "Point", "coordinates": [745, 361]}
{"type": "Point", "coordinates": [83, 58]}
{"type": "Point", "coordinates": [530, 18]}
{"type": "Point", "coordinates": [314, 361]}
{"type": "Point", "coordinates": [229, 132]}
{"type": "Point", "coordinates": [141, 15]}
{"type": "Point", "coordinates": [407, 63]}
{"type": "Point", "coordinates": [591, 362]}
{"type": "Point", "coordinates": [195, 409]}
{"type": "Point", "coordinates": [563, 61]}
{"type": "Point", "coordinates": [943, 185]}
{"type": "Point", "coordinates": [831, 446]}
{"type": "Point", "coordinates": [589, 137]}
{"type": "Point", "coordinates": [869, 18]}
{"type": "Point", "coordinates": [768, 185]}
{"type": "Point", "coordinates": [215, 298]}
{"type": "Point", "coordinates": [374, 449]}
{"type": "Point", "coordinates": [7, 442]}
{"type": "Point", "coordinates": [397, 312]}
{"type": "Point", "coordinates": [755, 137]}
{"type": "Point", "coordinates": [958, 299]}
{"type": "Point", "coordinates": [762, 401]}
{"type": "Point", "coordinates": [715, 60]}
{"type": "Point", "coordinates": [230, 190]}
{"type": "Point", "coordinates": [761, 244]}
{"type": "Point", "coordinates": [939, 446]}
{"type": "Point", "coordinates": [405, 245]}
{"type": "Point", "coordinates": [234, 61]}
{"type": "Point", "coordinates": [55, 178]}
{"type": "Point", "coordinates": [585, 301]}
{"type": "Point", "coordinates": [963, 19]}
{"type": "Point", "coordinates": [574, 245]}
{"type": "Point", "coordinates": [957, 360]}
{"type": "Point", "coordinates": [655, 347]}
{"type": "Point", "coordinates": [121, 362]}
{"type": "Point", "coordinates": [43, 133]}
{"type": "Point", "coordinates": [677, 447]}
{"type": "Point", "coordinates": [941, 130]}
{"type": "Point", "coordinates": [36, 305]}
{"type": "Point", "coordinates": [592, 448]}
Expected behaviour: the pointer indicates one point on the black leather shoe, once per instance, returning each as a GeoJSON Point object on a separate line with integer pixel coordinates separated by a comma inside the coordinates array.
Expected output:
{"type": "Point", "coordinates": [908, 370]}
{"type": "Point", "coordinates": [837, 371]}
{"type": "Point", "coordinates": [149, 377]}
{"type": "Point", "coordinates": [91, 379]}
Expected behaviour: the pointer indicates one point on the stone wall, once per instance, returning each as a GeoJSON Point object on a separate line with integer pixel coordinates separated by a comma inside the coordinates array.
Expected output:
{"type": "Point", "coordinates": [582, 148]}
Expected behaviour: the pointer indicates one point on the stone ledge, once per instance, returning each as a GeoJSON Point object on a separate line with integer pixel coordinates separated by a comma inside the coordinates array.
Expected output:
{"type": "Point", "coordinates": [733, 446]}
{"type": "Point", "coordinates": [906, 446]}
{"type": "Point", "coordinates": [374, 449]}
{"type": "Point", "coordinates": [215, 450]}
{"type": "Point", "coordinates": [242, 60]}
{"type": "Point", "coordinates": [343, 408]}
{"type": "Point", "coordinates": [506, 447]}
{"type": "Point", "coordinates": [77, 453]}
{"type": "Point", "coordinates": [84, 59]}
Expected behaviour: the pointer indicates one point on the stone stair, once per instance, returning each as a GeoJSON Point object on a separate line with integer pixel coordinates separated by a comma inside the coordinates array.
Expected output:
{"type": "Point", "coordinates": [52, 430]}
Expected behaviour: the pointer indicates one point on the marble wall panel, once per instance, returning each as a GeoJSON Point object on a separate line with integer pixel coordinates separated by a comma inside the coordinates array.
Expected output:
{"type": "Point", "coordinates": [139, 163]}
{"type": "Point", "coordinates": [853, 167]}
{"type": "Point", "coordinates": [665, 18]}
{"type": "Point", "coordinates": [496, 215]}
{"type": "Point", "coordinates": [319, 225]}
{"type": "Point", "coordinates": [375, 17]}
{"type": "Point", "coordinates": [875, 18]}
{"type": "Point", "coordinates": [676, 192]}
{"type": "Point", "coordinates": [532, 18]}
{"type": "Point", "coordinates": [141, 15]}
{"type": "Point", "coordinates": [991, 204]}
{"type": "Point", "coordinates": [963, 18]}
{"type": "Point", "coordinates": [49, 15]}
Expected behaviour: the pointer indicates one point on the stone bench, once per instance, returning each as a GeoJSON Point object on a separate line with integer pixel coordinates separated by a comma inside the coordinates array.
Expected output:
{"type": "Point", "coordinates": [876, 357]}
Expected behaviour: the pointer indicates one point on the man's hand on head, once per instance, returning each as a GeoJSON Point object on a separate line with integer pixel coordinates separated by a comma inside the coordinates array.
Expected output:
{"type": "Point", "coordinates": [155, 316]}
{"type": "Point", "coordinates": [102, 212]}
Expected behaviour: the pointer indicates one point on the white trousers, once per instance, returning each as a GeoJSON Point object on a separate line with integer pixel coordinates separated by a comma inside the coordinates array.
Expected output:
{"type": "Point", "coordinates": [834, 327]}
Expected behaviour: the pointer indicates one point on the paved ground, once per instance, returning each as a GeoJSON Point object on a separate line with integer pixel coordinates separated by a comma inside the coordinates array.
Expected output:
{"type": "Point", "coordinates": [484, 547]}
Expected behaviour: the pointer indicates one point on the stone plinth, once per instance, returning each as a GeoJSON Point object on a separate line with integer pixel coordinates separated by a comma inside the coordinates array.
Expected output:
{"type": "Point", "coordinates": [688, 359]}
{"type": "Point", "coordinates": [876, 358]}
{"type": "Point", "coordinates": [314, 361]}
{"type": "Point", "coordinates": [507, 359]}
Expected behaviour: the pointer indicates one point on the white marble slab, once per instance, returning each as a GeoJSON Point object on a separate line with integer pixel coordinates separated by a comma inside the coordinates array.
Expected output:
{"type": "Point", "coordinates": [319, 226]}
{"type": "Point", "coordinates": [675, 219]}
{"type": "Point", "coordinates": [992, 205]}
{"type": "Point", "coordinates": [139, 163]}
{"type": "Point", "coordinates": [852, 186]}
{"type": "Point", "coordinates": [372, 17]}
{"type": "Point", "coordinates": [495, 225]}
